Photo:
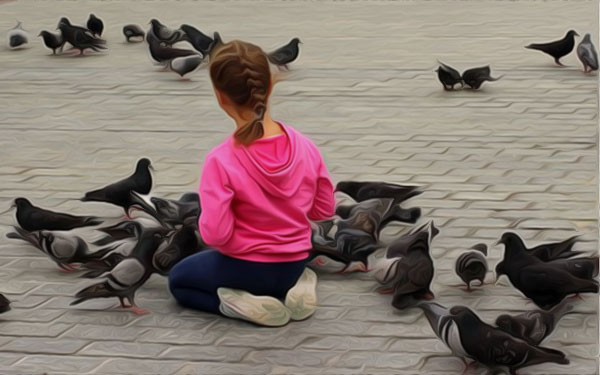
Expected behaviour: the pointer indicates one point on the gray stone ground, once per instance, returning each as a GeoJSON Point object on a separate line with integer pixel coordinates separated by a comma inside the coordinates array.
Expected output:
{"type": "Point", "coordinates": [520, 154]}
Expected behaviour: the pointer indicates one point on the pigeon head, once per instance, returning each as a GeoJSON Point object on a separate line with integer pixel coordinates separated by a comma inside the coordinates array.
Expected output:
{"type": "Point", "coordinates": [21, 203]}
{"type": "Point", "coordinates": [134, 228]}
{"type": "Point", "coordinates": [587, 37]}
{"type": "Point", "coordinates": [163, 207]}
{"type": "Point", "coordinates": [64, 21]}
{"type": "Point", "coordinates": [513, 244]}
{"type": "Point", "coordinates": [92, 16]}
{"type": "Point", "coordinates": [465, 315]}
{"type": "Point", "coordinates": [296, 41]}
{"type": "Point", "coordinates": [155, 23]}
{"type": "Point", "coordinates": [144, 163]}
{"type": "Point", "coordinates": [572, 33]}
{"type": "Point", "coordinates": [504, 322]}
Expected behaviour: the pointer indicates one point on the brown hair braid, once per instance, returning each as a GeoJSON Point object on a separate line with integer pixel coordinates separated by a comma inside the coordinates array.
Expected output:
{"type": "Point", "coordinates": [241, 71]}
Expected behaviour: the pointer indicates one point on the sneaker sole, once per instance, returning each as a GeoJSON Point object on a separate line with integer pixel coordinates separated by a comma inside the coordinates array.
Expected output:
{"type": "Point", "coordinates": [262, 310]}
{"type": "Point", "coordinates": [302, 298]}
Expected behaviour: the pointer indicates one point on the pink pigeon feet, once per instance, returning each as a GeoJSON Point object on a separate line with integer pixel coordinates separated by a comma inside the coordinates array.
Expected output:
{"type": "Point", "coordinates": [68, 268]}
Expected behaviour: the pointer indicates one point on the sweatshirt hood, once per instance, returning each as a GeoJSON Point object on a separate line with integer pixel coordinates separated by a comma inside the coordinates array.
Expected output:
{"type": "Point", "coordinates": [276, 163]}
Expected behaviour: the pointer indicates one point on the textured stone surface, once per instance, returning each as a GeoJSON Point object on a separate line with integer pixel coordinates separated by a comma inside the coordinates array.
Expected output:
{"type": "Point", "coordinates": [520, 154]}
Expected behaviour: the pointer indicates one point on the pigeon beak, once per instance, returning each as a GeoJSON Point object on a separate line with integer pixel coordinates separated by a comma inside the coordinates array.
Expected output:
{"type": "Point", "coordinates": [152, 167]}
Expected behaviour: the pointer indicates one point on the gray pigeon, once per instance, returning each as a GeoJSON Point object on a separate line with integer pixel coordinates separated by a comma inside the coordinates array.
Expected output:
{"type": "Point", "coordinates": [166, 35]}
{"type": "Point", "coordinates": [471, 265]}
{"type": "Point", "coordinates": [185, 65]}
{"type": "Point", "coordinates": [409, 276]}
{"type": "Point", "coordinates": [4, 304]}
{"type": "Point", "coordinates": [448, 76]}
{"type": "Point", "coordinates": [286, 54]}
{"type": "Point", "coordinates": [17, 36]}
{"type": "Point", "coordinates": [118, 193]}
{"type": "Point", "coordinates": [127, 276]}
{"type": "Point", "coordinates": [367, 216]}
{"type": "Point", "coordinates": [134, 32]}
{"type": "Point", "coordinates": [62, 249]}
{"type": "Point", "coordinates": [468, 337]}
{"type": "Point", "coordinates": [587, 54]}
{"type": "Point", "coordinates": [533, 326]}
{"type": "Point", "coordinates": [545, 283]}
{"type": "Point", "coordinates": [557, 49]}
{"type": "Point", "coordinates": [475, 77]}
{"type": "Point", "coordinates": [52, 41]}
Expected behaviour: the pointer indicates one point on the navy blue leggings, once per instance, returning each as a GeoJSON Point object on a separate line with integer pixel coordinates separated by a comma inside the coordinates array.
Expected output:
{"type": "Point", "coordinates": [194, 280]}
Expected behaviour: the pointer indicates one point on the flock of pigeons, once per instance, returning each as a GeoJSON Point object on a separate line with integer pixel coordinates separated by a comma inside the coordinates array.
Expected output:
{"type": "Point", "coordinates": [159, 37]}
{"type": "Point", "coordinates": [134, 249]}
{"type": "Point", "coordinates": [131, 250]}
{"type": "Point", "coordinates": [475, 77]}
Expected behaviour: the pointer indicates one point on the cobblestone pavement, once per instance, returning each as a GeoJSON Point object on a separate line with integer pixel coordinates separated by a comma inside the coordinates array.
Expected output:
{"type": "Point", "coordinates": [520, 154]}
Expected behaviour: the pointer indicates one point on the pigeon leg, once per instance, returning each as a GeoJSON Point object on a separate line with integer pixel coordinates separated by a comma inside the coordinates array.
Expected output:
{"type": "Point", "coordinates": [386, 291]}
{"type": "Point", "coordinates": [428, 296]}
{"type": "Point", "coordinates": [557, 61]}
{"type": "Point", "coordinates": [135, 309]}
{"type": "Point", "coordinates": [343, 270]}
{"type": "Point", "coordinates": [468, 366]}
{"type": "Point", "coordinates": [363, 268]}
{"type": "Point", "coordinates": [320, 262]}
{"type": "Point", "coordinates": [66, 268]}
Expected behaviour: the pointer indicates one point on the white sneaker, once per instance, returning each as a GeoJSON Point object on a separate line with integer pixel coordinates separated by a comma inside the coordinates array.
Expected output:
{"type": "Point", "coordinates": [301, 299]}
{"type": "Point", "coordinates": [262, 310]}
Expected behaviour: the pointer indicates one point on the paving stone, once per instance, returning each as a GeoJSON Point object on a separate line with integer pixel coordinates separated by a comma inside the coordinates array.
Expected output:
{"type": "Point", "coordinates": [520, 154]}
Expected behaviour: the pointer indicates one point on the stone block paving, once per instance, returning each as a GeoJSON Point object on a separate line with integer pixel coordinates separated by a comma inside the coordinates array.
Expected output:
{"type": "Point", "coordinates": [520, 154]}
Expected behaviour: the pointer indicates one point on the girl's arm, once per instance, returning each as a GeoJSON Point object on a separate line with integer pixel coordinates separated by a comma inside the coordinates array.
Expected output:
{"type": "Point", "coordinates": [324, 203]}
{"type": "Point", "coordinates": [216, 220]}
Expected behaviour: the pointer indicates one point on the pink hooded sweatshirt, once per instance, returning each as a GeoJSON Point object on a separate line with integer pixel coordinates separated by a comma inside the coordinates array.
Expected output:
{"type": "Point", "coordinates": [257, 200]}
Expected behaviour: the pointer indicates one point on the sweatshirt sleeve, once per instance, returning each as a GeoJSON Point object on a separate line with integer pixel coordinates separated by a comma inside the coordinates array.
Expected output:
{"type": "Point", "coordinates": [324, 202]}
{"type": "Point", "coordinates": [216, 220]}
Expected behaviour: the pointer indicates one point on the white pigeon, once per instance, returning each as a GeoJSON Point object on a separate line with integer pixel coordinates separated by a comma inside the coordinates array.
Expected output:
{"type": "Point", "coordinates": [17, 36]}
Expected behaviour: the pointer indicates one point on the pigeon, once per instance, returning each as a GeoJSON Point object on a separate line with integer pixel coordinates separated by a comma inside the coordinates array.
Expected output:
{"type": "Point", "coordinates": [163, 54]}
{"type": "Point", "coordinates": [533, 326]}
{"type": "Point", "coordinates": [584, 267]}
{"type": "Point", "coordinates": [587, 54]}
{"type": "Point", "coordinates": [367, 216]}
{"type": "Point", "coordinates": [118, 193]}
{"type": "Point", "coordinates": [363, 190]}
{"type": "Point", "coordinates": [472, 265]}
{"type": "Point", "coordinates": [285, 55]}
{"type": "Point", "coordinates": [95, 25]}
{"type": "Point", "coordinates": [122, 230]}
{"type": "Point", "coordinates": [62, 249]}
{"type": "Point", "coordinates": [134, 32]}
{"type": "Point", "coordinates": [217, 41]}
{"type": "Point", "coordinates": [395, 213]}
{"type": "Point", "coordinates": [410, 274]}
{"type": "Point", "coordinates": [546, 284]}
{"type": "Point", "coordinates": [468, 337]}
{"type": "Point", "coordinates": [17, 36]}
{"type": "Point", "coordinates": [185, 65]}
{"type": "Point", "coordinates": [200, 41]}
{"type": "Point", "coordinates": [170, 211]}
{"type": "Point", "coordinates": [33, 218]}
{"type": "Point", "coordinates": [185, 242]}
{"type": "Point", "coordinates": [399, 247]}
{"type": "Point", "coordinates": [4, 304]}
{"type": "Point", "coordinates": [79, 37]}
{"type": "Point", "coordinates": [557, 49]}
{"type": "Point", "coordinates": [475, 77]}
{"type": "Point", "coordinates": [449, 77]}
{"type": "Point", "coordinates": [165, 34]}
{"type": "Point", "coordinates": [552, 251]}
{"type": "Point", "coordinates": [121, 249]}
{"type": "Point", "coordinates": [348, 246]}
{"type": "Point", "coordinates": [52, 41]}
{"type": "Point", "coordinates": [127, 276]}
